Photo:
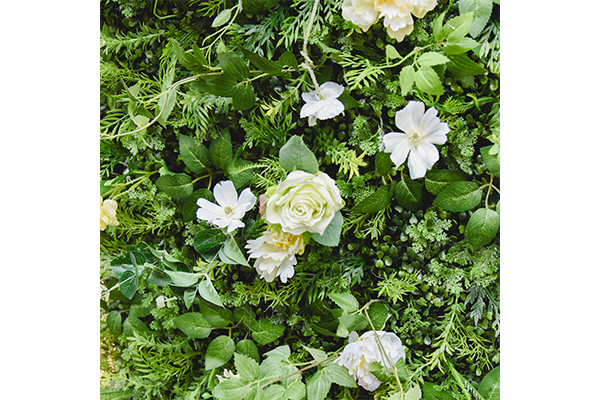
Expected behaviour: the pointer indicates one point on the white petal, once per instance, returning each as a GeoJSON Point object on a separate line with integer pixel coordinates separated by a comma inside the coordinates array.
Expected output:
{"type": "Point", "coordinates": [422, 158]}
{"type": "Point", "coordinates": [331, 90]}
{"type": "Point", "coordinates": [439, 135]}
{"type": "Point", "coordinates": [311, 108]}
{"type": "Point", "coordinates": [312, 120]}
{"type": "Point", "coordinates": [330, 108]}
{"type": "Point", "coordinates": [234, 224]}
{"type": "Point", "coordinates": [400, 33]}
{"type": "Point", "coordinates": [416, 165]}
{"type": "Point", "coordinates": [398, 145]}
{"type": "Point", "coordinates": [409, 117]}
{"type": "Point", "coordinates": [225, 193]}
{"type": "Point", "coordinates": [247, 200]}
{"type": "Point", "coordinates": [310, 97]}
{"type": "Point", "coordinates": [429, 121]}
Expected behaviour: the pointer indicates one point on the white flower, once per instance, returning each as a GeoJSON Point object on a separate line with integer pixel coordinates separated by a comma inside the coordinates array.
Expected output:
{"type": "Point", "coordinates": [275, 254]}
{"type": "Point", "coordinates": [397, 18]}
{"type": "Point", "coordinates": [421, 131]}
{"type": "Point", "coordinates": [108, 213]}
{"type": "Point", "coordinates": [360, 12]}
{"type": "Point", "coordinates": [304, 202]}
{"type": "Point", "coordinates": [322, 108]}
{"type": "Point", "coordinates": [230, 209]}
{"type": "Point", "coordinates": [360, 353]}
{"type": "Point", "coordinates": [228, 374]}
{"type": "Point", "coordinates": [421, 7]}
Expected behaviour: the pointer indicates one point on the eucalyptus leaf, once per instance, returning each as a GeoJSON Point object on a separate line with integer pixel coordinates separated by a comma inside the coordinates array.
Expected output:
{"type": "Point", "coordinates": [158, 277]}
{"type": "Point", "coordinates": [193, 324]}
{"type": "Point", "coordinates": [295, 155]}
{"type": "Point", "coordinates": [219, 351]}
{"type": "Point", "coordinates": [482, 227]}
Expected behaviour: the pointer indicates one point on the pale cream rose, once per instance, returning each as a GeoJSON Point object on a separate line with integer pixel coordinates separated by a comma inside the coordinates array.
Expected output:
{"type": "Point", "coordinates": [108, 213]}
{"type": "Point", "coordinates": [304, 203]}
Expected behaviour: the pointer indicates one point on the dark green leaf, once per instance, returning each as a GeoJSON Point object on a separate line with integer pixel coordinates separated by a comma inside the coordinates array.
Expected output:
{"type": "Point", "coordinates": [347, 100]}
{"type": "Point", "coordinates": [219, 351]}
{"type": "Point", "coordinates": [193, 324]}
{"type": "Point", "coordinates": [375, 202]}
{"type": "Point", "coordinates": [123, 263]}
{"type": "Point", "coordinates": [234, 66]}
{"type": "Point", "coordinates": [482, 11]}
{"type": "Point", "coordinates": [489, 388]}
{"type": "Point", "coordinates": [428, 81]}
{"type": "Point", "coordinates": [462, 66]}
{"type": "Point", "coordinates": [407, 79]}
{"type": "Point", "coordinates": [383, 162]}
{"type": "Point", "coordinates": [220, 85]}
{"type": "Point", "coordinates": [482, 227]}
{"type": "Point", "coordinates": [438, 180]}
{"type": "Point", "coordinates": [190, 206]}
{"type": "Point", "coordinates": [409, 193]}
{"type": "Point", "coordinates": [134, 323]}
{"type": "Point", "coordinates": [243, 97]}
{"type": "Point", "coordinates": [177, 186]}
{"type": "Point", "coordinates": [240, 172]}
{"type": "Point", "coordinates": [195, 62]}
{"type": "Point", "coordinates": [208, 242]}
{"type": "Point", "coordinates": [248, 348]}
{"type": "Point", "coordinates": [220, 153]}
{"type": "Point", "coordinates": [264, 64]}
{"type": "Point", "coordinates": [288, 58]}
{"type": "Point", "coordinates": [113, 320]}
{"type": "Point", "coordinates": [193, 153]}
{"type": "Point", "coordinates": [490, 160]}
{"type": "Point", "coordinates": [295, 155]}
{"type": "Point", "coordinates": [331, 236]}
{"type": "Point", "coordinates": [207, 291]}
{"type": "Point", "coordinates": [381, 373]}
{"type": "Point", "coordinates": [459, 196]}
{"type": "Point", "coordinates": [378, 312]}
{"type": "Point", "coordinates": [128, 284]}
{"type": "Point", "coordinates": [217, 317]}
{"type": "Point", "coordinates": [401, 369]}
{"type": "Point", "coordinates": [267, 331]}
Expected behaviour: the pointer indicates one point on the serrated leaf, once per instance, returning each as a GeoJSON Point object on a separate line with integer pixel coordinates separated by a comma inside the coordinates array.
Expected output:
{"type": "Point", "coordinates": [345, 301]}
{"type": "Point", "coordinates": [231, 389]}
{"type": "Point", "coordinates": [275, 392]}
{"type": "Point", "coordinates": [234, 66]}
{"type": "Point", "coordinates": [438, 180]}
{"type": "Point", "coordinates": [409, 193]}
{"type": "Point", "coordinates": [489, 388]}
{"type": "Point", "coordinates": [243, 97]}
{"type": "Point", "coordinates": [222, 18]}
{"type": "Point", "coordinates": [428, 81]}
{"type": "Point", "coordinates": [188, 297]}
{"type": "Point", "coordinates": [482, 227]}
{"type": "Point", "coordinates": [193, 153]}
{"type": "Point", "coordinates": [331, 236]}
{"type": "Point", "coordinates": [267, 331]}
{"type": "Point", "coordinates": [246, 367]}
{"type": "Point", "coordinates": [318, 386]}
{"type": "Point", "coordinates": [217, 317]}
{"type": "Point", "coordinates": [339, 375]}
{"type": "Point", "coordinates": [193, 324]}
{"type": "Point", "coordinates": [383, 162]}
{"type": "Point", "coordinates": [182, 279]}
{"type": "Point", "coordinates": [230, 253]}
{"type": "Point", "coordinates": [374, 202]}
{"type": "Point", "coordinates": [295, 155]}
{"type": "Point", "coordinates": [413, 394]}
{"type": "Point", "coordinates": [459, 196]}
{"type": "Point", "coordinates": [490, 160]}
{"type": "Point", "coordinates": [407, 79]}
{"type": "Point", "coordinates": [296, 390]}
{"type": "Point", "coordinates": [437, 26]}
{"type": "Point", "coordinates": [317, 354]}
{"type": "Point", "coordinates": [177, 186]}
{"type": "Point", "coordinates": [391, 52]}
{"type": "Point", "coordinates": [431, 59]}
{"type": "Point", "coordinates": [219, 351]}
{"type": "Point", "coordinates": [207, 291]}
{"type": "Point", "coordinates": [113, 320]}
{"type": "Point", "coordinates": [462, 66]}
{"type": "Point", "coordinates": [220, 153]}
{"type": "Point", "coordinates": [482, 11]}
{"type": "Point", "coordinates": [456, 28]}
{"type": "Point", "coordinates": [248, 348]}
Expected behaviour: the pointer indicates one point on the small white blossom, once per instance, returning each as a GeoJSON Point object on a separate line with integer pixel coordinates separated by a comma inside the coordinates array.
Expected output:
{"type": "Point", "coordinates": [360, 353]}
{"type": "Point", "coordinates": [229, 210]}
{"type": "Point", "coordinates": [227, 374]}
{"type": "Point", "coordinates": [325, 107]}
{"type": "Point", "coordinates": [108, 213]}
{"type": "Point", "coordinates": [421, 131]}
{"type": "Point", "coordinates": [275, 254]}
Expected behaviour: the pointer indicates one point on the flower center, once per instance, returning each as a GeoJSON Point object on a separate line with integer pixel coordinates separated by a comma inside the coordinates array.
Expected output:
{"type": "Point", "coordinates": [414, 138]}
{"type": "Point", "coordinates": [228, 211]}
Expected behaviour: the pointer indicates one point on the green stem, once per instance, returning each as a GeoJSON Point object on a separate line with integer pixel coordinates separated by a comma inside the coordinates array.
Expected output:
{"type": "Point", "coordinates": [314, 364]}
{"type": "Point", "coordinates": [158, 16]}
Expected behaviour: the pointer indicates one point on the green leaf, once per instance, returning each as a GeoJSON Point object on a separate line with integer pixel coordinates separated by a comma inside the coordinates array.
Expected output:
{"type": "Point", "coordinates": [482, 227]}
{"type": "Point", "coordinates": [248, 348]}
{"type": "Point", "coordinates": [231, 389]}
{"type": "Point", "coordinates": [409, 193]}
{"type": "Point", "coordinates": [331, 236]}
{"type": "Point", "coordinates": [190, 206]}
{"type": "Point", "coordinates": [345, 301]}
{"type": "Point", "coordinates": [193, 153]}
{"type": "Point", "coordinates": [166, 102]}
{"type": "Point", "coordinates": [396, 396]}
{"type": "Point", "coordinates": [222, 18]}
{"type": "Point", "coordinates": [489, 388]}
{"type": "Point", "coordinates": [381, 373]}
{"type": "Point", "coordinates": [434, 392]}
{"type": "Point", "coordinates": [391, 52]}
{"type": "Point", "coordinates": [456, 28]}
{"type": "Point", "coordinates": [246, 367]}
{"type": "Point", "coordinates": [267, 331]}
{"type": "Point", "coordinates": [347, 100]}
{"type": "Point", "coordinates": [407, 79]}
{"type": "Point", "coordinates": [437, 26]}
{"type": "Point", "coordinates": [318, 386]}
{"type": "Point", "coordinates": [378, 312]}
{"type": "Point", "coordinates": [374, 202]}
{"type": "Point", "coordinates": [219, 351]}
{"type": "Point", "coordinates": [113, 320]}
{"type": "Point", "coordinates": [430, 59]}
{"type": "Point", "coordinates": [296, 390]}
{"type": "Point", "coordinates": [401, 370]}
{"type": "Point", "coordinates": [462, 66]}
{"type": "Point", "coordinates": [208, 239]}
{"type": "Point", "coordinates": [383, 163]}
{"type": "Point", "coordinates": [188, 297]}
{"type": "Point", "coordinates": [438, 180]}
{"type": "Point", "coordinates": [220, 153]}
{"type": "Point", "coordinates": [490, 160]}
{"type": "Point", "coordinates": [177, 186]}
{"type": "Point", "coordinates": [317, 354]}
{"type": "Point", "coordinates": [482, 11]}
{"type": "Point", "coordinates": [207, 291]}
{"type": "Point", "coordinates": [220, 85]}
{"type": "Point", "coordinates": [193, 324]}
{"type": "Point", "coordinates": [353, 322]}
{"type": "Point", "coordinates": [234, 66]}
{"type": "Point", "coordinates": [264, 64]}
{"type": "Point", "coordinates": [128, 284]}
{"type": "Point", "coordinates": [217, 317]}
{"type": "Point", "coordinates": [295, 155]}
{"type": "Point", "coordinates": [135, 324]}
{"type": "Point", "coordinates": [413, 394]}
{"type": "Point", "coordinates": [339, 375]}
{"type": "Point", "coordinates": [288, 58]}
{"type": "Point", "coordinates": [275, 392]}
{"type": "Point", "coordinates": [245, 316]}
{"type": "Point", "coordinates": [256, 392]}
{"type": "Point", "coordinates": [459, 196]}
{"type": "Point", "coordinates": [463, 46]}
{"type": "Point", "coordinates": [124, 263]}
{"type": "Point", "coordinates": [159, 278]}
{"type": "Point", "coordinates": [230, 253]}
{"type": "Point", "coordinates": [243, 97]}
{"type": "Point", "coordinates": [428, 81]}
{"type": "Point", "coordinates": [182, 279]}
{"type": "Point", "coordinates": [195, 61]}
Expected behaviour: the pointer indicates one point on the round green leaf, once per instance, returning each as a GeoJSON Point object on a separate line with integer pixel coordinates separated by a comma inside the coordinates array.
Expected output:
{"type": "Point", "coordinates": [482, 227]}
{"type": "Point", "coordinates": [219, 351]}
{"type": "Point", "coordinates": [459, 196]}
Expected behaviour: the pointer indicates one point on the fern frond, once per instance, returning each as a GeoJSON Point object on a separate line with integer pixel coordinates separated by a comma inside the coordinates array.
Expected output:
{"type": "Point", "coordinates": [112, 42]}
{"type": "Point", "coordinates": [346, 159]}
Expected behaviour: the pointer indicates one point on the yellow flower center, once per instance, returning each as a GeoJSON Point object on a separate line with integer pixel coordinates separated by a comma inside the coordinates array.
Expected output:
{"type": "Point", "coordinates": [414, 138]}
{"type": "Point", "coordinates": [228, 211]}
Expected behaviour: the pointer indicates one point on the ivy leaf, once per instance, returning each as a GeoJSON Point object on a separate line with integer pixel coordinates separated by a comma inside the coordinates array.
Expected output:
{"type": "Point", "coordinates": [220, 153]}
{"type": "Point", "coordinates": [296, 155]}
{"type": "Point", "coordinates": [438, 180]}
{"type": "Point", "coordinates": [482, 227]}
{"type": "Point", "coordinates": [459, 196]}
{"type": "Point", "coordinates": [207, 291]}
{"type": "Point", "coordinates": [243, 97]}
{"type": "Point", "coordinates": [409, 193]}
{"type": "Point", "coordinates": [248, 348]}
{"type": "Point", "coordinates": [339, 375]}
{"type": "Point", "coordinates": [318, 386]}
{"type": "Point", "coordinates": [267, 331]}
{"type": "Point", "coordinates": [219, 351]}
{"type": "Point", "coordinates": [374, 202]}
{"type": "Point", "coordinates": [407, 79]}
{"type": "Point", "coordinates": [428, 81]}
{"type": "Point", "coordinates": [345, 301]}
{"type": "Point", "coordinates": [222, 18]}
{"type": "Point", "coordinates": [489, 388]}
{"type": "Point", "coordinates": [230, 253]}
{"type": "Point", "coordinates": [246, 367]}
{"type": "Point", "coordinates": [490, 160]}
{"type": "Point", "coordinates": [193, 153]}
{"type": "Point", "coordinates": [177, 186]}
{"type": "Point", "coordinates": [232, 389]}
{"type": "Point", "coordinates": [331, 236]}
{"type": "Point", "coordinates": [193, 324]}
{"type": "Point", "coordinates": [482, 11]}
{"type": "Point", "coordinates": [431, 59]}
{"type": "Point", "coordinates": [234, 66]}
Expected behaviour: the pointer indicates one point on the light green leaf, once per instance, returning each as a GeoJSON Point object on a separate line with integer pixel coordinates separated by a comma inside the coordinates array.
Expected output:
{"type": "Point", "coordinates": [256, 392]}
{"type": "Point", "coordinates": [275, 392]}
{"type": "Point", "coordinates": [378, 312]}
{"type": "Point", "coordinates": [177, 186]}
{"type": "Point", "coordinates": [407, 79]}
{"type": "Point", "coordinates": [166, 102]}
{"type": "Point", "coordinates": [234, 66]}
{"type": "Point", "coordinates": [490, 160]}
{"type": "Point", "coordinates": [438, 180]}
{"type": "Point", "coordinates": [246, 367]}
{"type": "Point", "coordinates": [346, 301]}
{"type": "Point", "coordinates": [462, 66]}
{"type": "Point", "coordinates": [489, 388]}
{"type": "Point", "coordinates": [401, 369]}
{"type": "Point", "coordinates": [231, 253]}
{"type": "Point", "coordinates": [318, 386]}
{"type": "Point", "coordinates": [437, 26]}
{"type": "Point", "coordinates": [317, 354]}
{"type": "Point", "coordinates": [482, 227]}
{"type": "Point", "coordinates": [182, 279]}
{"type": "Point", "coordinates": [113, 320]}
{"type": "Point", "coordinates": [296, 390]}
{"type": "Point", "coordinates": [482, 11]}
{"type": "Point", "coordinates": [456, 28]}
{"type": "Point", "coordinates": [463, 46]}
{"type": "Point", "coordinates": [267, 331]}
{"type": "Point", "coordinates": [193, 153]}
{"type": "Point", "coordinates": [353, 322]}
{"type": "Point", "coordinates": [391, 52]}
{"type": "Point", "coordinates": [243, 97]}
{"type": "Point", "coordinates": [159, 278]}
{"type": "Point", "coordinates": [428, 81]}
{"type": "Point", "coordinates": [374, 202]}
{"type": "Point", "coordinates": [396, 396]}
{"type": "Point", "coordinates": [331, 236]}
{"type": "Point", "coordinates": [296, 155]}
{"type": "Point", "coordinates": [459, 196]}
{"type": "Point", "coordinates": [413, 394]}
{"type": "Point", "coordinates": [247, 348]}
{"type": "Point", "coordinates": [193, 324]}
{"type": "Point", "coordinates": [219, 351]}
{"type": "Point", "coordinates": [221, 153]}
{"type": "Point", "coordinates": [188, 297]}
{"type": "Point", "coordinates": [409, 193]}
{"type": "Point", "coordinates": [217, 317]}
{"type": "Point", "coordinates": [207, 291]}
{"type": "Point", "coordinates": [431, 59]}
{"type": "Point", "coordinates": [339, 375]}
{"type": "Point", "coordinates": [231, 389]}
{"type": "Point", "coordinates": [222, 18]}
{"type": "Point", "coordinates": [128, 284]}
{"type": "Point", "coordinates": [135, 324]}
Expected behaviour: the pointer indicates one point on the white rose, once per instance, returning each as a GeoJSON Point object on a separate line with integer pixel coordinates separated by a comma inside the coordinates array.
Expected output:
{"type": "Point", "coordinates": [304, 202]}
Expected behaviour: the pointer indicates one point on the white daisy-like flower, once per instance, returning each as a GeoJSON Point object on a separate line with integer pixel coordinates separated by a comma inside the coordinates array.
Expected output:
{"type": "Point", "coordinates": [108, 213]}
{"type": "Point", "coordinates": [325, 107]}
{"type": "Point", "coordinates": [361, 352]}
{"type": "Point", "coordinates": [421, 131]}
{"type": "Point", "coordinates": [229, 210]}
{"type": "Point", "coordinates": [275, 254]}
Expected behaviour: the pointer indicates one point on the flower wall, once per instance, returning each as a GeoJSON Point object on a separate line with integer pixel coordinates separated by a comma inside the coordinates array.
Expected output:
{"type": "Point", "coordinates": [300, 199]}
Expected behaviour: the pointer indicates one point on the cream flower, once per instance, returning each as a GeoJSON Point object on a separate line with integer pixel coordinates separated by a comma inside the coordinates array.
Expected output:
{"type": "Point", "coordinates": [361, 13]}
{"type": "Point", "coordinates": [421, 131]}
{"type": "Point", "coordinates": [275, 254]}
{"type": "Point", "coordinates": [230, 210]}
{"type": "Point", "coordinates": [108, 213]}
{"type": "Point", "coordinates": [422, 7]}
{"type": "Point", "coordinates": [304, 202]}
{"type": "Point", "coordinates": [326, 107]}
{"type": "Point", "coordinates": [360, 353]}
